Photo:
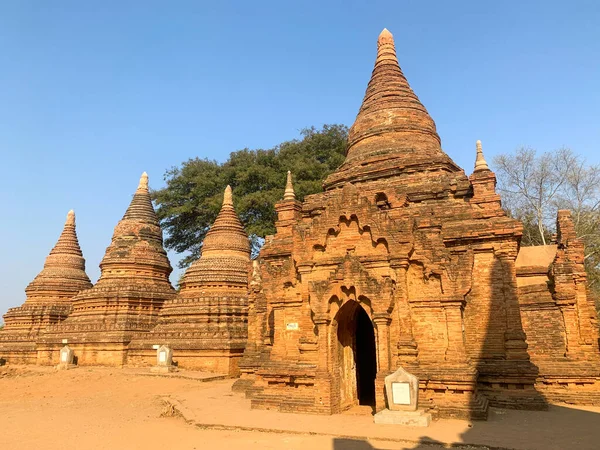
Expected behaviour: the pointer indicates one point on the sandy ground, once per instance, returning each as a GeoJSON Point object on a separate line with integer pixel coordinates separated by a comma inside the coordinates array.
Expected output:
{"type": "Point", "coordinates": [112, 409]}
{"type": "Point", "coordinates": [102, 408]}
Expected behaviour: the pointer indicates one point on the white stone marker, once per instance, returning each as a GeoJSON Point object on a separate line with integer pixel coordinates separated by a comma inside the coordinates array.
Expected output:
{"type": "Point", "coordinates": [164, 360]}
{"type": "Point", "coordinates": [67, 358]}
{"type": "Point", "coordinates": [402, 394]}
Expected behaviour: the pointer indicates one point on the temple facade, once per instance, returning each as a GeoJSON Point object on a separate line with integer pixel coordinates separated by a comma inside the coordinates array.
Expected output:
{"type": "Point", "coordinates": [403, 260]}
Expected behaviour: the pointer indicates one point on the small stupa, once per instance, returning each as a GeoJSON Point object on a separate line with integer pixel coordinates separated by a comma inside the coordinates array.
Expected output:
{"type": "Point", "coordinates": [49, 297]}
{"type": "Point", "coordinates": [206, 324]}
{"type": "Point", "coordinates": [133, 285]}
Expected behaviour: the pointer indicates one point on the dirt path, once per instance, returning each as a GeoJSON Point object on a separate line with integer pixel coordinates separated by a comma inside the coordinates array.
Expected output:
{"type": "Point", "coordinates": [109, 409]}
{"type": "Point", "coordinates": [103, 408]}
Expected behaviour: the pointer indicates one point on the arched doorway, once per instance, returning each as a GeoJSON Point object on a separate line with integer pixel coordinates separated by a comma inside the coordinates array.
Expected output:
{"type": "Point", "coordinates": [356, 357]}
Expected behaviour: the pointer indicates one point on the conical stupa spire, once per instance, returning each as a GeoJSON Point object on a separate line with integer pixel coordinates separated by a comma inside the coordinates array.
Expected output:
{"type": "Point", "coordinates": [392, 130]}
{"type": "Point", "coordinates": [480, 162]}
{"type": "Point", "coordinates": [227, 232]}
{"type": "Point", "coordinates": [64, 274]}
{"type": "Point", "coordinates": [390, 107]}
{"type": "Point", "coordinates": [225, 251]}
{"type": "Point", "coordinates": [137, 239]}
{"type": "Point", "coordinates": [289, 193]}
{"type": "Point", "coordinates": [67, 242]}
{"type": "Point", "coordinates": [140, 208]}
{"type": "Point", "coordinates": [132, 288]}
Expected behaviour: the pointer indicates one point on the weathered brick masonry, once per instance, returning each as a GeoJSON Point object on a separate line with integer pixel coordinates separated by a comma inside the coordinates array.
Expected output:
{"type": "Point", "coordinates": [404, 260]}
{"type": "Point", "coordinates": [49, 298]}
{"type": "Point", "coordinates": [133, 285]}
{"type": "Point", "coordinates": [206, 323]}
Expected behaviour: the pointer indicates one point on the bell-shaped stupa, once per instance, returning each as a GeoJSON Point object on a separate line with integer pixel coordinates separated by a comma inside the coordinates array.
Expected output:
{"type": "Point", "coordinates": [133, 285]}
{"type": "Point", "coordinates": [49, 297]}
{"type": "Point", "coordinates": [206, 324]}
{"type": "Point", "coordinates": [393, 133]}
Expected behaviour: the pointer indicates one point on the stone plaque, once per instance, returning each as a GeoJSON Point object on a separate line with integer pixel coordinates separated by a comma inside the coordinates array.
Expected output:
{"type": "Point", "coordinates": [401, 393]}
{"type": "Point", "coordinates": [65, 341]}
{"type": "Point", "coordinates": [292, 326]}
{"type": "Point", "coordinates": [66, 356]}
{"type": "Point", "coordinates": [155, 347]}
{"type": "Point", "coordinates": [164, 356]}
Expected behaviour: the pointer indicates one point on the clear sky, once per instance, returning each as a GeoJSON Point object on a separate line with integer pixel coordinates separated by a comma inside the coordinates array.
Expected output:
{"type": "Point", "coordinates": [94, 93]}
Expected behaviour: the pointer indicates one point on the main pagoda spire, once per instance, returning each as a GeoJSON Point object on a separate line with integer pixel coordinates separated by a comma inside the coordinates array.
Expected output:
{"type": "Point", "coordinates": [392, 125]}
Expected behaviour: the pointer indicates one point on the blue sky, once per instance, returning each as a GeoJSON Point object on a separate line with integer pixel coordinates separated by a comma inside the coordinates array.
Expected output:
{"type": "Point", "coordinates": [94, 93]}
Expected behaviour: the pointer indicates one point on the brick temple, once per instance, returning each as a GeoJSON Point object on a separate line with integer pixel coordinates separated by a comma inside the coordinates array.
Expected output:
{"type": "Point", "coordinates": [402, 261]}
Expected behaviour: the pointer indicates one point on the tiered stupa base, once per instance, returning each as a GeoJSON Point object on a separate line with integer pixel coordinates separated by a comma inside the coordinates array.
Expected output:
{"type": "Point", "coordinates": [191, 353]}
{"type": "Point", "coordinates": [92, 348]}
{"type": "Point", "coordinates": [23, 326]}
{"type": "Point", "coordinates": [18, 348]}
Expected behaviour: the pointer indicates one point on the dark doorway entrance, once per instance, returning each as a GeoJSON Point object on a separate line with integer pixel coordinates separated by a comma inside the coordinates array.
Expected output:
{"type": "Point", "coordinates": [357, 363]}
{"type": "Point", "coordinates": [366, 365]}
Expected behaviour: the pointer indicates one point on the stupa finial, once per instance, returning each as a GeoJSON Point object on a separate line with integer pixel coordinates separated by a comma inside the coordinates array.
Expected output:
{"type": "Point", "coordinates": [289, 193]}
{"type": "Point", "coordinates": [385, 37]}
{"type": "Point", "coordinates": [480, 162]}
{"type": "Point", "coordinates": [228, 197]}
{"type": "Point", "coordinates": [143, 186]}
{"type": "Point", "coordinates": [70, 218]}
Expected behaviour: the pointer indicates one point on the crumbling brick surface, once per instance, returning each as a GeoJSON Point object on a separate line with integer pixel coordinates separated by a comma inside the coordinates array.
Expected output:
{"type": "Point", "coordinates": [427, 252]}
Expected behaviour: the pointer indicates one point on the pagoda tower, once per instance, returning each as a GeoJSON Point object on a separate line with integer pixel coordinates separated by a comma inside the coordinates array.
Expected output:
{"type": "Point", "coordinates": [49, 297]}
{"type": "Point", "coordinates": [402, 261]}
{"type": "Point", "coordinates": [206, 324]}
{"type": "Point", "coordinates": [133, 285]}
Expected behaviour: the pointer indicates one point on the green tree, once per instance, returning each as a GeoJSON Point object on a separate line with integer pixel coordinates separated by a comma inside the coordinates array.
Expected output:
{"type": "Point", "coordinates": [534, 187]}
{"type": "Point", "coordinates": [191, 199]}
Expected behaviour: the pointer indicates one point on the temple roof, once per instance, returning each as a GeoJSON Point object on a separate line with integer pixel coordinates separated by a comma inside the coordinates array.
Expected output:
{"type": "Point", "coordinates": [225, 251]}
{"type": "Point", "coordinates": [137, 241]}
{"type": "Point", "coordinates": [63, 274]}
{"type": "Point", "coordinates": [392, 124]}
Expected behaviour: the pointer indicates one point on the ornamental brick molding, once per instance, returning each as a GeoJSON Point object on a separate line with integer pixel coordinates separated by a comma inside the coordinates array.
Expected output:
{"type": "Point", "coordinates": [126, 300]}
{"type": "Point", "coordinates": [404, 261]}
{"type": "Point", "coordinates": [206, 323]}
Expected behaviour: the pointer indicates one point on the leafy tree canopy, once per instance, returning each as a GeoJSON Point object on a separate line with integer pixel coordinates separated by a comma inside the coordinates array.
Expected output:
{"type": "Point", "coordinates": [192, 198]}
